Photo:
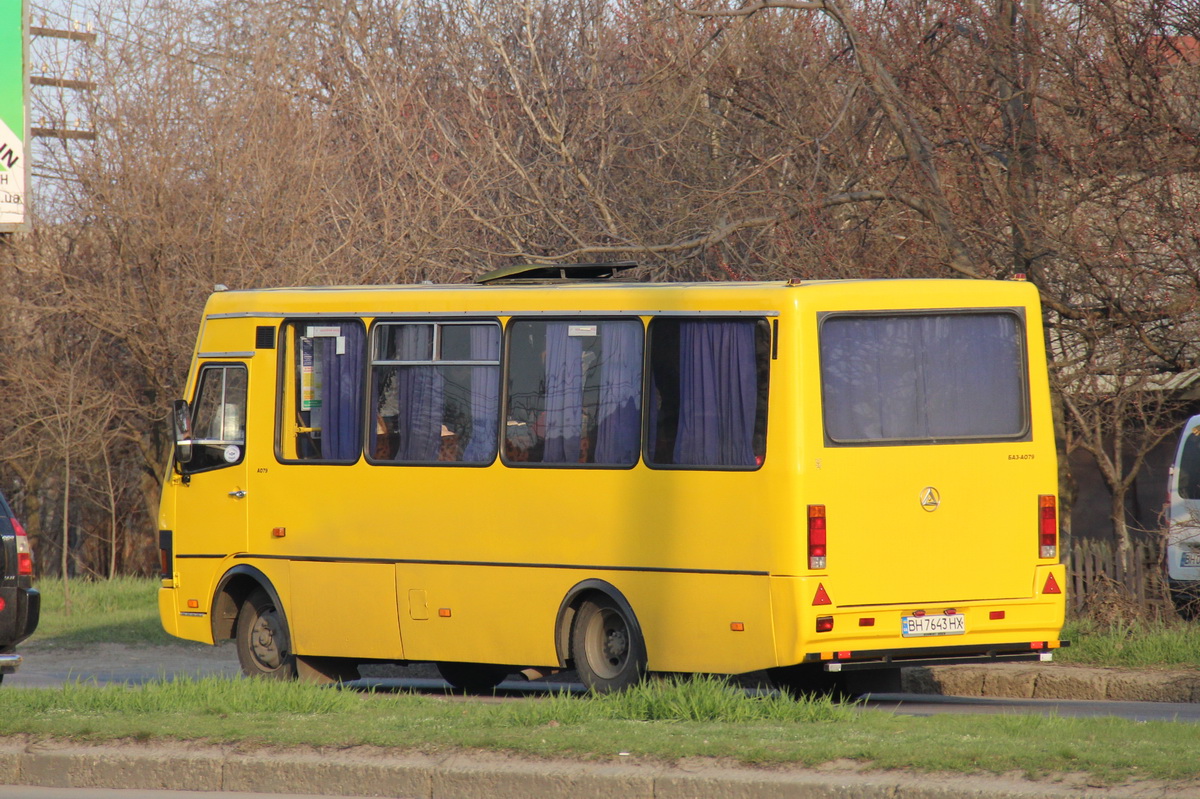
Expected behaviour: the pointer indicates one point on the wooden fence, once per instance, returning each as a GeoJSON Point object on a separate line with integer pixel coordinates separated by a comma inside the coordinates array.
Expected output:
{"type": "Point", "coordinates": [1101, 581]}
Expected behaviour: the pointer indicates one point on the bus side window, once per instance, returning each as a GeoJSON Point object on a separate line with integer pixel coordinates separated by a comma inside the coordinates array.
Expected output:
{"type": "Point", "coordinates": [435, 392]}
{"type": "Point", "coordinates": [574, 392]}
{"type": "Point", "coordinates": [708, 392]}
{"type": "Point", "coordinates": [322, 404]}
{"type": "Point", "coordinates": [218, 418]}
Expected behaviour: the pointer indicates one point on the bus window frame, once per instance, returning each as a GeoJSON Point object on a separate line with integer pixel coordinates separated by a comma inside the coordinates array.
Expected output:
{"type": "Point", "coordinates": [764, 324]}
{"type": "Point", "coordinates": [580, 318]}
{"type": "Point", "coordinates": [1026, 433]}
{"type": "Point", "coordinates": [189, 468]}
{"type": "Point", "coordinates": [437, 322]}
{"type": "Point", "coordinates": [287, 388]}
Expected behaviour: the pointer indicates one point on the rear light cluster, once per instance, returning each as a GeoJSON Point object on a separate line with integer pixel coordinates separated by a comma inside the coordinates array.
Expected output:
{"type": "Point", "coordinates": [24, 551]}
{"type": "Point", "coordinates": [816, 536]}
{"type": "Point", "coordinates": [1047, 526]}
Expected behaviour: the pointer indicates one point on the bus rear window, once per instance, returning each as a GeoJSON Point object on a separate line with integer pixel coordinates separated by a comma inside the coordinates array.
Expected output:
{"type": "Point", "coordinates": [923, 377]}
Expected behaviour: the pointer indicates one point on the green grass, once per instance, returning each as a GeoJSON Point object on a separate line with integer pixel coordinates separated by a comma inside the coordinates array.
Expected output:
{"type": "Point", "coordinates": [1144, 644]}
{"type": "Point", "coordinates": [122, 610]}
{"type": "Point", "coordinates": [660, 721]}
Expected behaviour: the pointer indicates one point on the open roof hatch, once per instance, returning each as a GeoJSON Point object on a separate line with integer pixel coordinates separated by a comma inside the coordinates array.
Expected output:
{"type": "Point", "coordinates": [555, 273]}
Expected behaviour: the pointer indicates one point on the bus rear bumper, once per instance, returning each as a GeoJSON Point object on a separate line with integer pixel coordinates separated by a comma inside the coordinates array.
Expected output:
{"type": "Point", "coordinates": [939, 656]}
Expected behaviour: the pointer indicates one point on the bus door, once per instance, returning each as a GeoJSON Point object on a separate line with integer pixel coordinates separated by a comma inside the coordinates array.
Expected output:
{"type": "Point", "coordinates": [210, 517]}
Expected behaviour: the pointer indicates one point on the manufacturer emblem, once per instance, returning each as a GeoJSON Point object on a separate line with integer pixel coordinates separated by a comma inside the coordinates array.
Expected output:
{"type": "Point", "coordinates": [930, 498]}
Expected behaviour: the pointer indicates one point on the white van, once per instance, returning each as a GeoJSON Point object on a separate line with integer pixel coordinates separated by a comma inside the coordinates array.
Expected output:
{"type": "Point", "coordinates": [1182, 557]}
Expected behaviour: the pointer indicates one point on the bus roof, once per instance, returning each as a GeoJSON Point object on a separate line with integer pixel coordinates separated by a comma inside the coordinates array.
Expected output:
{"type": "Point", "coordinates": [629, 297]}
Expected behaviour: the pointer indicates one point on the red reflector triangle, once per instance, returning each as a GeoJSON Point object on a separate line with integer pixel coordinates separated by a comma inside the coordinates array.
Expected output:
{"type": "Point", "coordinates": [821, 598]}
{"type": "Point", "coordinates": [1051, 586]}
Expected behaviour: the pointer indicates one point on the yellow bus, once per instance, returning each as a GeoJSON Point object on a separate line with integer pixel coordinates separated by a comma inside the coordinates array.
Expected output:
{"type": "Point", "coordinates": [558, 469]}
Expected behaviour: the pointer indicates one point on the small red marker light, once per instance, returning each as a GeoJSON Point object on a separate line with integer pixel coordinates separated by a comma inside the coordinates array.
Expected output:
{"type": "Point", "coordinates": [996, 615]}
{"type": "Point", "coordinates": [1038, 645]}
{"type": "Point", "coordinates": [844, 655]}
{"type": "Point", "coordinates": [866, 622]}
{"type": "Point", "coordinates": [824, 624]}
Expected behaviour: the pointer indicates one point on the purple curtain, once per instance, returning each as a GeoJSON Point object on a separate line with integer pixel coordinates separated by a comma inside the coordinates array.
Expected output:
{"type": "Point", "coordinates": [421, 395]}
{"type": "Point", "coordinates": [341, 393]}
{"type": "Point", "coordinates": [485, 395]}
{"type": "Point", "coordinates": [564, 394]}
{"type": "Point", "coordinates": [618, 430]}
{"type": "Point", "coordinates": [717, 393]}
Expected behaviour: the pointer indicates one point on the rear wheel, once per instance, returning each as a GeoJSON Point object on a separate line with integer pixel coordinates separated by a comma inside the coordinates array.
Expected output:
{"type": "Point", "coordinates": [607, 647]}
{"type": "Point", "coordinates": [474, 678]}
{"type": "Point", "coordinates": [263, 645]}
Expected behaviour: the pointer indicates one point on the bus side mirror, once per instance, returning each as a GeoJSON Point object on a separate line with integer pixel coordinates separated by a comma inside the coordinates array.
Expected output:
{"type": "Point", "coordinates": [182, 419]}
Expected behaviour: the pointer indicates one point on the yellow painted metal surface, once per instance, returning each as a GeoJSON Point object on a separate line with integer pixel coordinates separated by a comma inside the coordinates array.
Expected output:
{"type": "Point", "coordinates": [473, 563]}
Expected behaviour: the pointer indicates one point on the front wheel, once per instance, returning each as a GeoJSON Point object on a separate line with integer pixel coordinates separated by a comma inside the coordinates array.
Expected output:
{"type": "Point", "coordinates": [263, 645]}
{"type": "Point", "coordinates": [607, 647]}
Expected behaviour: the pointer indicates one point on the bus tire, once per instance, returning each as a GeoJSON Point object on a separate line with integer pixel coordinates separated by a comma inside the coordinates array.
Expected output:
{"type": "Point", "coordinates": [607, 646]}
{"type": "Point", "coordinates": [472, 678]}
{"type": "Point", "coordinates": [263, 645]}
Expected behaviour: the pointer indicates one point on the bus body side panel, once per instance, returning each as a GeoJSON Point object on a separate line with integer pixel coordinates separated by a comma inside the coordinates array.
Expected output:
{"type": "Point", "coordinates": [507, 615]}
{"type": "Point", "coordinates": [503, 546]}
{"type": "Point", "coordinates": [345, 608]}
{"type": "Point", "coordinates": [341, 533]}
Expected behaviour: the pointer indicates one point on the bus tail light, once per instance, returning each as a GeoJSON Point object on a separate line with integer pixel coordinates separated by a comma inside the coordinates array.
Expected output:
{"type": "Point", "coordinates": [1047, 526]}
{"type": "Point", "coordinates": [24, 551]}
{"type": "Point", "coordinates": [824, 624]}
{"type": "Point", "coordinates": [816, 536]}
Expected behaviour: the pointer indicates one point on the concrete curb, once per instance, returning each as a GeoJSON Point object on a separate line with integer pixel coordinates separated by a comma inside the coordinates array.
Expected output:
{"type": "Point", "coordinates": [1055, 681]}
{"type": "Point", "coordinates": [366, 772]}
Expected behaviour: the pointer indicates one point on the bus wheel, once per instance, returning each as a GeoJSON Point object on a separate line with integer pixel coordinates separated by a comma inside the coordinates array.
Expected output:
{"type": "Point", "coordinates": [473, 678]}
{"type": "Point", "coordinates": [608, 649]}
{"type": "Point", "coordinates": [263, 646]}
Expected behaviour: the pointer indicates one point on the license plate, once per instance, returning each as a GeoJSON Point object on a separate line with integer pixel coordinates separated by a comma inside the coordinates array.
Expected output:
{"type": "Point", "coordinates": [913, 626]}
{"type": "Point", "coordinates": [1190, 559]}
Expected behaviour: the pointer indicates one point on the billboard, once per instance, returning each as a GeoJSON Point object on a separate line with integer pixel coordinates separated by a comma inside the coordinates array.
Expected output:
{"type": "Point", "coordinates": [14, 116]}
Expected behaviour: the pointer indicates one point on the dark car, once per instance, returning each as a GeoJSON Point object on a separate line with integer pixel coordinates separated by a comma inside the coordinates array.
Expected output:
{"type": "Point", "coordinates": [20, 603]}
